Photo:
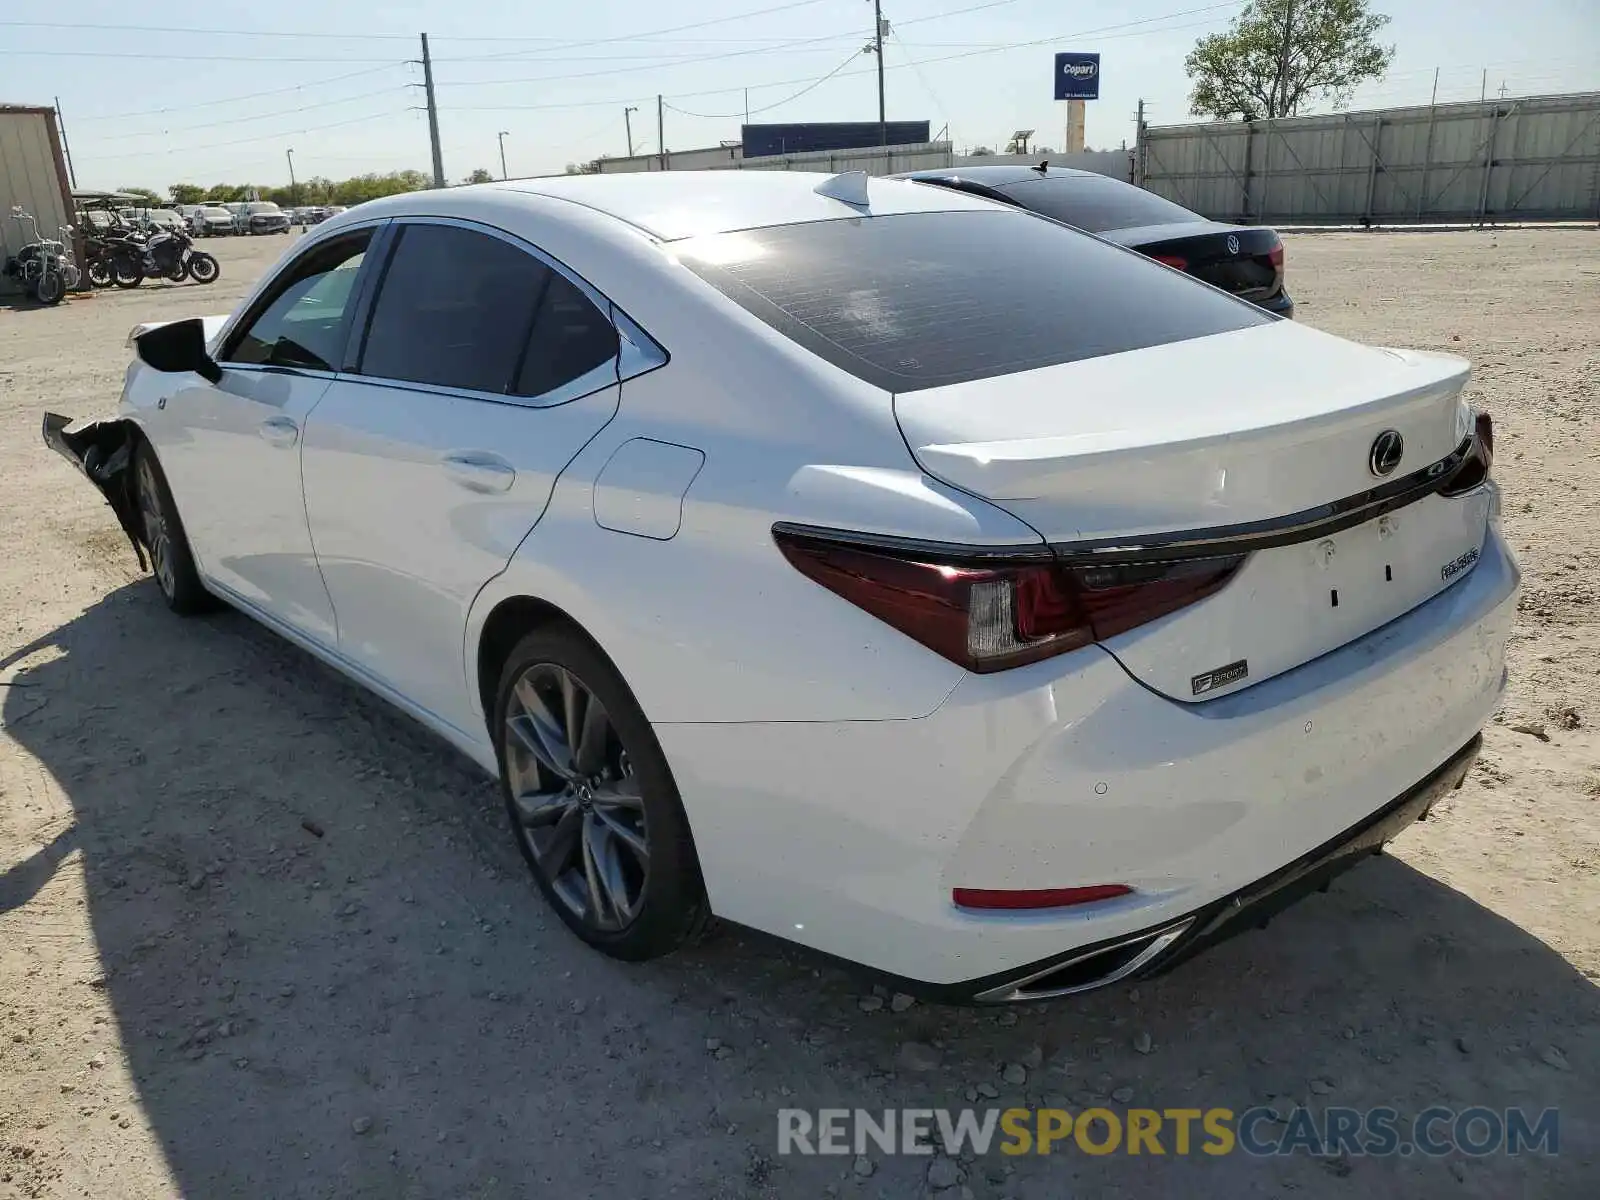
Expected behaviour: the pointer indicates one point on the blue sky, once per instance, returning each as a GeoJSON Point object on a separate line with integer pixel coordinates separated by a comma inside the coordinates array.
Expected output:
{"type": "Point", "coordinates": [230, 86]}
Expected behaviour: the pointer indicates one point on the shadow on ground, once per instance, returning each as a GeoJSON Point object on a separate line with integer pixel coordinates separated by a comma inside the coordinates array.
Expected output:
{"type": "Point", "coordinates": [332, 978]}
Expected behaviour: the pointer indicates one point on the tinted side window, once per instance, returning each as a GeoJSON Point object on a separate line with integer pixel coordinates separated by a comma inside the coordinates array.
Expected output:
{"type": "Point", "coordinates": [571, 337]}
{"type": "Point", "coordinates": [920, 300]}
{"type": "Point", "coordinates": [303, 324]}
{"type": "Point", "coordinates": [454, 309]}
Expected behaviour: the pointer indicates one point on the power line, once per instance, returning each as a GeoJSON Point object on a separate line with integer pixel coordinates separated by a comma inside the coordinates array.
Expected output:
{"type": "Point", "coordinates": [320, 104]}
{"type": "Point", "coordinates": [325, 35]}
{"type": "Point", "coordinates": [159, 56]}
{"type": "Point", "coordinates": [812, 86]}
{"type": "Point", "coordinates": [663, 64]}
{"type": "Point", "coordinates": [265, 137]}
{"type": "Point", "coordinates": [296, 87]}
{"type": "Point", "coordinates": [631, 37]}
{"type": "Point", "coordinates": [1130, 28]}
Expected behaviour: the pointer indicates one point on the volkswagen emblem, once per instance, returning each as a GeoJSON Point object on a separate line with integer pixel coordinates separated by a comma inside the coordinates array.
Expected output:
{"type": "Point", "coordinates": [1387, 449]}
{"type": "Point", "coordinates": [1233, 244]}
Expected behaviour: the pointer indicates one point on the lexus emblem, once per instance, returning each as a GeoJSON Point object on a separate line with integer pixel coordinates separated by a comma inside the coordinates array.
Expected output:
{"type": "Point", "coordinates": [1387, 450]}
{"type": "Point", "coordinates": [1233, 244]}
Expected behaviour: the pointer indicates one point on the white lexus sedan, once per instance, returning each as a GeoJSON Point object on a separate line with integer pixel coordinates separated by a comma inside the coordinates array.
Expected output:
{"type": "Point", "coordinates": [894, 571]}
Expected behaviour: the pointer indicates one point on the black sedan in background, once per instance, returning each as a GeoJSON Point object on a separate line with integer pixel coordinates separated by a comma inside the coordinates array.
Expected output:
{"type": "Point", "coordinates": [1246, 260]}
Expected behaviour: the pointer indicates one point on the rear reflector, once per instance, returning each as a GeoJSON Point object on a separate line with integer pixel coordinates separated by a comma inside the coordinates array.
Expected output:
{"type": "Point", "coordinates": [1174, 261]}
{"type": "Point", "coordinates": [1043, 898]}
{"type": "Point", "coordinates": [994, 612]}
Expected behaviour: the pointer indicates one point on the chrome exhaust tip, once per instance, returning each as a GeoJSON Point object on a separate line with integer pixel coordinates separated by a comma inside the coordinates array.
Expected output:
{"type": "Point", "coordinates": [1093, 969]}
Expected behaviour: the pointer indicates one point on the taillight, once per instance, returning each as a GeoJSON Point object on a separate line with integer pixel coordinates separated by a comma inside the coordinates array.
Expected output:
{"type": "Point", "coordinates": [990, 614]}
{"type": "Point", "coordinates": [1275, 256]}
{"type": "Point", "coordinates": [1474, 469]}
{"type": "Point", "coordinates": [1177, 262]}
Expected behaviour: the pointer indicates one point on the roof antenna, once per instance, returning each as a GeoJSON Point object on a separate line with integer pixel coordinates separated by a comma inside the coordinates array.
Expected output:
{"type": "Point", "coordinates": [848, 186]}
{"type": "Point", "coordinates": [1043, 166]}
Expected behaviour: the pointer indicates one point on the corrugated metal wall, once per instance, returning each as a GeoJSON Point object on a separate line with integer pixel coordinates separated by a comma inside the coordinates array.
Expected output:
{"type": "Point", "coordinates": [30, 175]}
{"type": "Point", "coordinates": [1536, 158]}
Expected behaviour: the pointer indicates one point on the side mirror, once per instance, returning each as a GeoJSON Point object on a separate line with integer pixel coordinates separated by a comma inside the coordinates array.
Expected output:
{"type": "Point", "coordinates": [178, 347]}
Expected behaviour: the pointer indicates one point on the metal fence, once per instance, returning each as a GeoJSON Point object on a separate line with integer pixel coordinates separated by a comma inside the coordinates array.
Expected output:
{"type": "Point", "coordinates": [1536, 158]}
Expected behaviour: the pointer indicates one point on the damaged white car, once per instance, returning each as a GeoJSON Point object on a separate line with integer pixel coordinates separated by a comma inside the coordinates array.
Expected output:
{"type": "Point", "coordinates": [891, 570]}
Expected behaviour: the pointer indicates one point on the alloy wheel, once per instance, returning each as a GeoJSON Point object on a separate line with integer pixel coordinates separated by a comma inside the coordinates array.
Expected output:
{"type": "Point", "coordinates": [575, 797]}
{"type": "Point", "coordinates": [156, 536]}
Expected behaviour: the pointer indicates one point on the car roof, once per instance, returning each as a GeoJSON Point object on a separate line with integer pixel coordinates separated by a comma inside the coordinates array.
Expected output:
{"type": "Point", "coordinates": [679, 204]}
{"type": "Point", "coordinates": [1003, 173]}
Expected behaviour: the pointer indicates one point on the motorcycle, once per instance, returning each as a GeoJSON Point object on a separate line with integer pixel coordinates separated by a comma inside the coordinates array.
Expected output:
{"type": "Point", "coordinates": [100, 252]}
{"type": "Point", "coordinates": [46, 268]}
{"type": "Point", "coordinates": [168, 254]}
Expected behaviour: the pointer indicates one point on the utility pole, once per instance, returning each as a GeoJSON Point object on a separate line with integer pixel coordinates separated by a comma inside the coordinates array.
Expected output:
{"type": "Point", "coordinates": [1283, 63]}
{"type": "Point", "coordinates": [661, 131]}
{"type": "Point", "coordinates": [294, 188]}
{"type": "Point", "coordinates": [433, 115]}
{"type": "Point", "coordinates": [72, 173]}
{"type": "Point", "coordinates": [627, 121]}
{"type": "Point", "coordinates": [747, 106]}
{"type": "Point", "coordinates": [877, 39]}
{"type": "Point", "coordinates": [1483, 88]}
{"type": "Point", "coordinates": [1434, 99]}
{"type": "Point", "coordinates": [1138, 145]}
{"type": "Point", "coordinates": [501, 137]}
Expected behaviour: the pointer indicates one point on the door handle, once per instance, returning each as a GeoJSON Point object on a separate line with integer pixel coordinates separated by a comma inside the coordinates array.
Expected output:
{"type": "Point", "coordinates": [279, 431]}
{"type": "Point", "coordinates": [479, 471]}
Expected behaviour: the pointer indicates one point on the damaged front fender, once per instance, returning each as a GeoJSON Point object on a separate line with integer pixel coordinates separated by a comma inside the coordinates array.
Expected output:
{"type": "Point", "coordinates": [104, 452]}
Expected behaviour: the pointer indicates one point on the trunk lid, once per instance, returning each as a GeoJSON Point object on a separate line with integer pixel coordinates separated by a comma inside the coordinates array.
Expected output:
{"type": "Point", "coordinates": [1244, 260]}
{"type": "Point", "coordinates": [1258, 441]}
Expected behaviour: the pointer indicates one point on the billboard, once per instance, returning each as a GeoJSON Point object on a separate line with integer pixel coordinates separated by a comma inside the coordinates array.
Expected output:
{"type": "Point", "coordinates": [762, 141]}
{"type": "Point", "coordinates": [1077, 77]}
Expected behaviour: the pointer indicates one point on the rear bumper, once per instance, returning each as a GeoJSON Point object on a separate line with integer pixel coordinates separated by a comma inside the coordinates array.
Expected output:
{"type": "Point", "coordinates": [1282, 304]}
{"type": "Point", "coordinates": [850, 836]}
{"type": "Point", "coordinates": [1156, 951]}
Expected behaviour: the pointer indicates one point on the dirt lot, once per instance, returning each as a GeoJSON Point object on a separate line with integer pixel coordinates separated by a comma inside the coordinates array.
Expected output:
{"type": "Point", "coordinates": [199, 997]}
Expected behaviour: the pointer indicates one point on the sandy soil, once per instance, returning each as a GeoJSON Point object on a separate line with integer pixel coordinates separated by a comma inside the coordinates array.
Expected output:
{"type": "Point", "coordinates": [200, 997]}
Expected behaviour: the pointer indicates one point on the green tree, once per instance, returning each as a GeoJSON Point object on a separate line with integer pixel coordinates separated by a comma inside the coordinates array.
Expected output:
{"type": "Point", "coordinates": [186, 193]}
{"type": "Point", "coordinates": [1278, 55]}
{"type": "Point", "coordinates": [479, 175]}
{"type": "Point", "coordinates": [153, 200]}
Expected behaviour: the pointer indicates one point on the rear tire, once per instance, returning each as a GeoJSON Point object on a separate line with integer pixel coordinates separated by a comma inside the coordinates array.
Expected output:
{"type": "Point", "coordinates": [171, 562]}
{"type": "Point", "coordinates": [596, 814]}
{"type": "Point", "coordinates": [126, 273]}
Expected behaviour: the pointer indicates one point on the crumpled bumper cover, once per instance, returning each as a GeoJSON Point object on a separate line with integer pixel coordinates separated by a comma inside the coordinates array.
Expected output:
{"type": "Point", "coordinates": [103, 451]}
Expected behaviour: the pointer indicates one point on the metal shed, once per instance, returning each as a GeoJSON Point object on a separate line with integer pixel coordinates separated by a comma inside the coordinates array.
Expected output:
{"type": "Point", "coordinates": [33, 173]}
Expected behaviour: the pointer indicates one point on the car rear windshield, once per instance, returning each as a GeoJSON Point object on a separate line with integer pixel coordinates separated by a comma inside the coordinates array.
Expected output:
{"type": "Point", "coordinates": [1096, 203]}
{"type": "Point", "coordinates": [920, 300]}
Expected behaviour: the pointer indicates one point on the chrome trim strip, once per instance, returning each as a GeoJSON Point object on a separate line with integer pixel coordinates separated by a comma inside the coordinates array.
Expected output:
{"type": "Point", "coordinates": [1221, 541]}
{"type": "Point", "coordinates": [1016, 991]}
{"type": "Point", "coordinates": [598, 379]}
{"type": "Point", "coordinates": [1304, 526]}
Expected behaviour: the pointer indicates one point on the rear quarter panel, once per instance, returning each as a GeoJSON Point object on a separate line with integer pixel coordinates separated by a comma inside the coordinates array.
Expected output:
{"type": "Point", "coordinates": [713, 624]}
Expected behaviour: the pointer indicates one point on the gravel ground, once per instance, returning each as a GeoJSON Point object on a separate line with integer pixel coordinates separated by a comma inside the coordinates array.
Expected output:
{"type": "Point", "coordinates": [261, 936]}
